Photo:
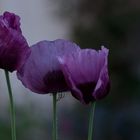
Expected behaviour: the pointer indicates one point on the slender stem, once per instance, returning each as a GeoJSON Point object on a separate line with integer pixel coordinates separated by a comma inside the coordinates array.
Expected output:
{"type": "Point", "coordinates": [12, 110]}
{"type": "Point", "coordinates": [54, 116]}
{"type": "Point", "coordinates": [91, 119]}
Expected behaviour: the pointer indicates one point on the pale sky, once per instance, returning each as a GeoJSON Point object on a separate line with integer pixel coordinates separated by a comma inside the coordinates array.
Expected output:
{"type": "Point", "coordinates": [37, 19]}
{"type": "Point", "coordinates": [38, 22]}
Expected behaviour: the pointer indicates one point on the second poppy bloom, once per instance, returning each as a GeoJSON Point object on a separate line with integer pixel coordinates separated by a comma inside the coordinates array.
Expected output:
{"type": "Point", "coordinates": [42, 73]}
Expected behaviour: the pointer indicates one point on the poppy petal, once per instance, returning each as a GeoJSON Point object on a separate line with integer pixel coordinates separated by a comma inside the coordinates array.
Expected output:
{"type": "Point", "coordinates": [82, 71]}
{"type": "Point", "coordinates": [14, 49]}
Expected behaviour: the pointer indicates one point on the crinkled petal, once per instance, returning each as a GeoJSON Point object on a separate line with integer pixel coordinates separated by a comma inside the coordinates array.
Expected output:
{"type": "Point", "coordinates": [41, 73]}
{"type": "Point", "coordinates": [14, 49]}
{"type": "Point", "coordinates": [10, 20]}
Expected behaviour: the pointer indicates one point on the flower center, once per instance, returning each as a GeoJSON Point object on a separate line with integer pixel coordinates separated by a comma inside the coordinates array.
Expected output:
{"type": "Point", "coordinates": [87, 90]}
{"type": "Point", "coordinates": [55, 81]}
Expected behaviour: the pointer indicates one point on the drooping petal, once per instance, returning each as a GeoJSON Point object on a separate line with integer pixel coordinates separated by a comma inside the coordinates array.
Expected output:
{"type": "Point", "coordinates": [14, 48]}
{"type": "Point", "coordinates": [82, 71]}
{"type": "Point", "coordinates": [41, 73]}
{"type": "Point", "coordinates": [103, 84]}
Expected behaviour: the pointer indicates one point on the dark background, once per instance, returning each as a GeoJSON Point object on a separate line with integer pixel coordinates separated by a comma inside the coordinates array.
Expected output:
{"type": "Point", "coordinates": [116, 25]}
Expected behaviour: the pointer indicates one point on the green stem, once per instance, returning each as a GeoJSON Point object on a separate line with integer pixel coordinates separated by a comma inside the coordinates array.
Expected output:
{"type": "Point", "coordinates": [12, 110]}
{"type": "Point", "coordinates": [54, 116]}
{"type": "Point", "coordinates": [91, 119]}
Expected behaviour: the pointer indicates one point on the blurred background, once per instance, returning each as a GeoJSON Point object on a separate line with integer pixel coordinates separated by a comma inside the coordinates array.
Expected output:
{"type": "Point", "coordinates": [90, 23]}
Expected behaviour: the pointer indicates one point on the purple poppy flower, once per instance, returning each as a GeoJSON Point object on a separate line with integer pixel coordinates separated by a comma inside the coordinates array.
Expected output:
{"type": "Point", "coordinates": [14, 49]}
{"type": "Point", "coordinates": [86, 73]}
{"type": "Point", "coordinates": [41, 73]}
